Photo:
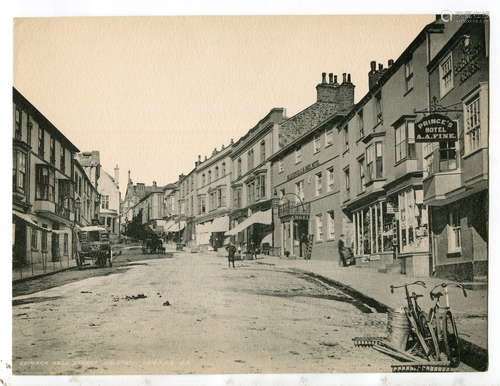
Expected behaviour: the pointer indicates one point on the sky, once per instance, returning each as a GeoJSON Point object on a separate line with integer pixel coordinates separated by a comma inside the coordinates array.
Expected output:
{"type": "Point", "coordinates": [153, 93]}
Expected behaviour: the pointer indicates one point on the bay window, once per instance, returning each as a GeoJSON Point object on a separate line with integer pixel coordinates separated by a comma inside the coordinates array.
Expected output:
{"type": "Point", "coordinates": [45, 183]}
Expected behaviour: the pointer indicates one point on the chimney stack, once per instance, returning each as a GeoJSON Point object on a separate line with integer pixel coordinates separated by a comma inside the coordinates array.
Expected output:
{"type": "Point", "coordinates": [199, 158]}
{"type": "Point", "coordinates": [129, 180]}
{"type": "Point", "coordinates": [373, 65]}
{"type": "Point", "coordinates": [380, 67]}
{"type": "Point", "coordinates": [341, 95]}
{"type": "Point", "coordinates": [117, 174]}
{"type": "Point", "coordinates": [232, 141]}
{"type": "Point", "coordinates": [374, 75]}
{"type": "Point", "coordinates": [390, 62]}
{"type": "Point", "coordinates": [154, 184]}
{"type": "Point", "coordinates": [323, 78]}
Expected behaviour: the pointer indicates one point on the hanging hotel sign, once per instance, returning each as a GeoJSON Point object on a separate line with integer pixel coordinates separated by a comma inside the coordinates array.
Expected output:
{"type": "Point", "coordinates": [435, 128]}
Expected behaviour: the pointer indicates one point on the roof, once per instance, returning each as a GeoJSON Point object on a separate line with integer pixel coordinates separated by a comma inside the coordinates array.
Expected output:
{"type": "Point", "coordinates": [45, 123]}
{"type": "Point", "coordinates": [305, 120]}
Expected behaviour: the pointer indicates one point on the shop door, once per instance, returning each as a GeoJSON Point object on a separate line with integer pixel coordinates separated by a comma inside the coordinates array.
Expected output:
{"type": "Point", "coordinates": [19, 257]}
{"type": "Point", "coordinates": [302, 232]}
{"type": "Point", "coordinates": [55, 247]}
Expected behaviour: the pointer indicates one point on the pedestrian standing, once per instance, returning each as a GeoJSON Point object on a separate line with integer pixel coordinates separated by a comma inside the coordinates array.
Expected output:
{"type": "Point", "coordinates": [341, 246]}
{"type": "Point", "coordinates": [231, 250]}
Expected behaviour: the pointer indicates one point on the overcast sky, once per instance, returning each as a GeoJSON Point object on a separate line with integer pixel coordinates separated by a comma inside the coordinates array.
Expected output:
{"type": "Point", "coordinates": [151, 93]}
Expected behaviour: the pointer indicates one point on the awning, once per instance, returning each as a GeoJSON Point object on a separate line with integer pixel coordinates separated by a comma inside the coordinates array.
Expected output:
{"type": "Point", "coordinates": [177, 226]}
{"type": "Point", "coordinates": [168, 225]}
{"type": "Point", "coordinates": [220, 224]}
{"type": "Point", "coordinates": [265, 217]}
{"type": "Point", "coordinates": [28, 220]}
{"type": "Point", "coordinates": [267, 239]}
{"type": "Point", "coordinates": [61, 231]}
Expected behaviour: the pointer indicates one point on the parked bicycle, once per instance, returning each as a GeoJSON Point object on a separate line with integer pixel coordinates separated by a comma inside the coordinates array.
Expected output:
{"type": "Point", "coordinates": [421, 338]}
{"type": "Point", "coordinates": [442, 323]}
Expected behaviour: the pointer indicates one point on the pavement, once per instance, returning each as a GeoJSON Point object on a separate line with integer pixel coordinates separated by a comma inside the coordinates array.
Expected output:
{"type": "Point", "coordinates": [470, 313]}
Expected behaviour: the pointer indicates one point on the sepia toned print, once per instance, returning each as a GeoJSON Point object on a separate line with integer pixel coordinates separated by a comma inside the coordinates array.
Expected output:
{"type": "Point", "coordinates": [346, 233]}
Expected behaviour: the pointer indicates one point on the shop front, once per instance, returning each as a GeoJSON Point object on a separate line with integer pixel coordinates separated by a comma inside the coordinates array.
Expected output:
{"type": "Point", "coordinates": [294, 223]}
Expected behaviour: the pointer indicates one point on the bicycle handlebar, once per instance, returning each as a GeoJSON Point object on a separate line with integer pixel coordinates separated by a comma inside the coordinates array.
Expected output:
{"type": "Point", "coordinates": [418, 282]}
{"type": "Point", "coordinates": [444, 285]}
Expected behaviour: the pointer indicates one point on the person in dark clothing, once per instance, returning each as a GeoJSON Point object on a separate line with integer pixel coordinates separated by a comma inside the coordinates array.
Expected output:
{"type": "Point", "coordinates": [342, 251]}
{"type": "Point", "coordinates": [231, 250]}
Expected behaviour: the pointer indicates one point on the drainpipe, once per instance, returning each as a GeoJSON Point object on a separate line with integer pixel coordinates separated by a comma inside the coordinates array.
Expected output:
{"type": "Point", "coordinates": [429, 210]}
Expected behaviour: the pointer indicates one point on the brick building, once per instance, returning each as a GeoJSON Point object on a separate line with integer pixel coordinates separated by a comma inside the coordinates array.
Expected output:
{"type": "Point", "coordinates": [304, 173]}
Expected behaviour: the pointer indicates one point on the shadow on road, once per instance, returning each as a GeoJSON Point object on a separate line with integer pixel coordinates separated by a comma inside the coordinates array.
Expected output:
{"type": "Point", "coordinates": [121, 264]}
{"type": "Point", "coordinates": [35, 299]}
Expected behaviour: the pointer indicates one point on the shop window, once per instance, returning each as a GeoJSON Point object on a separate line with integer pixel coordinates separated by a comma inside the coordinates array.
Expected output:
{"type": "Point", "coordinates": [319, 227]}
{"type": "Point", "coordinates": [45, 183]}
{"type": "Point", "coordinates": [373, 229]}
{"type": "Point", "coordinates": [65, 245]}
{"type": "Point", "coordinates": [405, 141]}
{"type": "Point", "coordinates": [298, 155]}
{"type": "Point", "coordinates": [412, 221]}
{"type": "Point", "coordinates": [44, 240]}
{"type": "Point", "coordinates": [18, 126]}
{"type": "Point", "coordinates": [409, 75]}
{"type": "Point", "coordinates": [319, 183]}
{"type": "Point", "coordinates": [317, 143]}
{"type": "Point", "coordinates": [329, 137]}
{"type": "Point", "coordinates": [472, 125]}
{"type": "Point", "coordinates": [446, 75]}
{"type": "Point", "coordinates": [34, 239]}
{"type": "Point", "coordinates": [19, 171]}
{"type": "Point", "coordinates": [331, 225]}
{"type": "Point", "coordinates": [454, 231]}
{"type": "Point", "coordinates": [331, 179]}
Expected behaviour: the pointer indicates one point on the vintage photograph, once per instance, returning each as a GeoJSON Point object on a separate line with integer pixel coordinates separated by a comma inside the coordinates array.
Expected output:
{"type": "Point", "coordinates": [250, 194]}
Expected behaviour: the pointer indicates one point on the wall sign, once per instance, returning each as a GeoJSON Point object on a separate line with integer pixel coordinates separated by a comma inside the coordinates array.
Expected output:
{"type": "Point", "coordinates": [435, 128]}
{"type": "Point", "coordinates": [302, 170]}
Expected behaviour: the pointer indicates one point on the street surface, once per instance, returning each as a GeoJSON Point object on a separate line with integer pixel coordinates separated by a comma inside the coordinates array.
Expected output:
{"type": "Point", "coordinates": [186, 314]}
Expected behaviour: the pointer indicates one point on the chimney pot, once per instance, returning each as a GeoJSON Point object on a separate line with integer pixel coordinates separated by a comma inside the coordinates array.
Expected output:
{"type": "Point", "coordinates": [348, 78]}
{"type": "Point", "coordinates": [323, 77]}
{"type": "Point", "coordinates": [199, 157]}
{"type": "Point", "coordinates": [343, 77]}
{"type": "Point", "coordinates": [330, 78]}
{"type": "Point", "coordinates": [390, 62]}
{"type": "Point", "coordinates": [380, 66]}
{"type": "Point", "coordinates": [335, 79]}
{"type": "Point", "coordinates": [373, 65]}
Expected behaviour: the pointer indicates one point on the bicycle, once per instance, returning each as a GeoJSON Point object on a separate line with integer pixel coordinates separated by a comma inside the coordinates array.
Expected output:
{"type": "Point", "coordinates": [418, 322]}
{"type": "Point", "coordinates": [447, 334]}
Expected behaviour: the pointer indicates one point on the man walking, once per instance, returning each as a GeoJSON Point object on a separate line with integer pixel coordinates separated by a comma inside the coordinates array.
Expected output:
{"type": "Point", "coordinates": [231, 250]}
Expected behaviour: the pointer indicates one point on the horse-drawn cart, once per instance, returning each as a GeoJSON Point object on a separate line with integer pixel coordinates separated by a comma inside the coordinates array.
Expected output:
{"type": "Point", "coordinates": [95, 246]}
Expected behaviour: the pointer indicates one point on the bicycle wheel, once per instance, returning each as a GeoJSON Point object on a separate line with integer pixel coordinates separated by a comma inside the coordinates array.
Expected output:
{"type": "Point", "coordinates": [429, 336]}
{"type": "Point", "coordinates": [452, 345]}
